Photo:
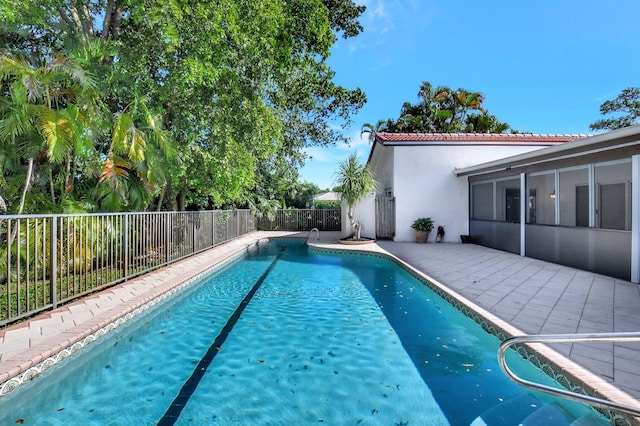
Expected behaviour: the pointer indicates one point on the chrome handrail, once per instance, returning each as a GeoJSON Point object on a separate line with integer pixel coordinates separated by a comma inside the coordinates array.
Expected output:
{"type": "Point", "coordinates": [317, 232]}
{"type": "Point", "coordinates": [559, 338]}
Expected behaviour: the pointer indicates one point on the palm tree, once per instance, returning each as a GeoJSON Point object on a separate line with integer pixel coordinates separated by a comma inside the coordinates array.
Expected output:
{"type": "Point", "coordinates": [485, 123]}
{"type": "Point", "coordinates": [44, 111]}
{"type": "Point", "coordinates": [356, 182]}
{"type": "Point", "coordinates": [51, 116]}
{"type": "Point", "coordinates": [372, 129]}
{"type": "Point", "coordinates": [136, 159]}
{"type": "Point", "coordinates": [455, 106]}
{"type": "Point", "coordinates": [435, 107]}
{"type": "Point", "coordinates": [441, 110]}
{"type": "Point", "coordinates": [464, 101]}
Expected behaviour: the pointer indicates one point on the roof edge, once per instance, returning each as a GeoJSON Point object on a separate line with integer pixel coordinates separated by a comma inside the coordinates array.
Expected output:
{"type": "Point", "coordinates": [574, 147]}
{"type": "Point", "coordinates": [417, 138]}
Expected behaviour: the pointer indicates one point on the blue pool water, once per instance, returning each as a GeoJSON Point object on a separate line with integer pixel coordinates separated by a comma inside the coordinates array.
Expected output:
{"type": "Point", "coordinates": [290, 335]}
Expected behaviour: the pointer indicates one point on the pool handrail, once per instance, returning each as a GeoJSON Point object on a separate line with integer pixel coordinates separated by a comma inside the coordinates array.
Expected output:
{"type": "Point", "coordinates": [317, 232]}
{"type": "Point", "coordinates": [564, 338]}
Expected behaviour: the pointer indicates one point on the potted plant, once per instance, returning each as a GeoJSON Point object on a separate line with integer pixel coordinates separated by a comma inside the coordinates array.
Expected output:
{"type": "Point", "coordinates": [423, 228]}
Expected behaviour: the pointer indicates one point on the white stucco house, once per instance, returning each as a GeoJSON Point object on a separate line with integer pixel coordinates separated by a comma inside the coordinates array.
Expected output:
{"type": "Point", "coordinates": [568, 199]}
{"type": "Point", "coordinates": [415, 172]}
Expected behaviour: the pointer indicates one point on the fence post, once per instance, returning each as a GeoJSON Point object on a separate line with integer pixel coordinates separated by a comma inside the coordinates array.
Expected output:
{"type": "Point", "coordinates": [194, 232]}
{"type": "Point", "coordinates": [53, 264]}
{"type": "Point", "coordinates": [167, 240]}
{"type": "Point", "coordinates": [125, 244]}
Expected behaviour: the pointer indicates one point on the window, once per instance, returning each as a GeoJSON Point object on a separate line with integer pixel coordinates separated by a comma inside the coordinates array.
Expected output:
{"type": "Point", "coordinates": [574, 196]}
{"type": "Point", "coordinates": [613, 195]}
{"type": "Point", "coordinates": [502, 205]}
{"type": "Point", "coordinates": [541, 198]}
{"type": "Point", "coordinates": [508, 200]}
{"type": "Point", "coordinates": [482, 201]}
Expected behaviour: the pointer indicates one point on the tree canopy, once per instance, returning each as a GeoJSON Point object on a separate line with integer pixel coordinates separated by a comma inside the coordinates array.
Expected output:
{"type": "Point", "coordinates": [441, 110]}
{"type": "Point", "coordinates": [625, 109]}
{"type": "Point", "coordinates": [168, 104]}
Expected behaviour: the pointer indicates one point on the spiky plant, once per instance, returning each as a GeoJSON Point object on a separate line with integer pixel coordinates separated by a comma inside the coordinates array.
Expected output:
{"type": "Point", "coordinates": [356, 181]}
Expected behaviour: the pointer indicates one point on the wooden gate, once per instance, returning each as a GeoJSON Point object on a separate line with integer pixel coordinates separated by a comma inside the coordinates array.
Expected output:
{"type": "Point", "coordinates": [385, 217]}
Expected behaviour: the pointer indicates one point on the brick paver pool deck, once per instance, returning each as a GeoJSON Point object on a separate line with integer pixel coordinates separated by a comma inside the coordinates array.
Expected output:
{"type": "Point", "coordinates": [522, 294]}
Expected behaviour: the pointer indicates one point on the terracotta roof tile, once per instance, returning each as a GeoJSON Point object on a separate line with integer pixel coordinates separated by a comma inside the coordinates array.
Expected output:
{"type": "Point", "coordinates": [476, 137]}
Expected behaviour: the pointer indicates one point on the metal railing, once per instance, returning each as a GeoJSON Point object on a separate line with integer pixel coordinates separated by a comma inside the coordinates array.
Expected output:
{"type": "Point", "coordinates": [303, 220]}
{"type": "Point", "coordinates": [564, 338]}
{"type": "Point", "coordinates": [49, 260]}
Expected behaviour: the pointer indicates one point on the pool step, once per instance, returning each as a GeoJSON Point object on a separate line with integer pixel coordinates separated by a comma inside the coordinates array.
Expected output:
{"type": "Point", "coordinates": [527, 410]}
{"type": "Point", "coordinates": [553, 415]}
{"type": "Point", "coordinates": [590, 420]}
{"type": "Point", "coordinates": [548, 415]}
{"type": "Point", "coordinates": [509, 413]}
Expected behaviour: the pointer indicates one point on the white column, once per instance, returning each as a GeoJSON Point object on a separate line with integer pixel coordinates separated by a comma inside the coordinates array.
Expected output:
{"type": "Point", "coordinates": [592, 196]}
{"type": "Point", "coordinates": [495, 194]}
{"type": "Point", "coordinates": [635, 219]}
{"type": "Point", "coordinates": [556, 200]}
{"type": "Point", "coordinates": [523, 212]}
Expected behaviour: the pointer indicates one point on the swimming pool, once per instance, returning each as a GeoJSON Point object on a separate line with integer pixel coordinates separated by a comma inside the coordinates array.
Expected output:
{"type": "Point", "coordinates": [291, 336]}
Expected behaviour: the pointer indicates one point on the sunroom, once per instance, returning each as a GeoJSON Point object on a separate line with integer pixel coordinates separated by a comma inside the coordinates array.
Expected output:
{"type": "Point", "coordinates": [576, 204]}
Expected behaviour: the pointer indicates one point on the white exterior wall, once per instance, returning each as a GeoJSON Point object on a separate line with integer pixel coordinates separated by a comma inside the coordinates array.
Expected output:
{"type": "Point", "coordinates": [382, 166]}
{"type": "Point", "coordinates": [365, 213]}
{"type": "Point", "coordinates": [425, 185]}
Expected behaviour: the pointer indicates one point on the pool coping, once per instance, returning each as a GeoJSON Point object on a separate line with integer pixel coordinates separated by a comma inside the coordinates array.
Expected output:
{"type": "Point", "coordinates": [32, 362]}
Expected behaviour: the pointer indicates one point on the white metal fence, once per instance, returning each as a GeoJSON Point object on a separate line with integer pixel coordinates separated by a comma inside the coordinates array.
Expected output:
{"type": "Point", "coordinates": [48, 260]}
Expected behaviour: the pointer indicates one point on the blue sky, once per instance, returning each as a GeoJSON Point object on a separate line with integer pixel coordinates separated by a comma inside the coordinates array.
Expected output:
{"type": "Point", "coordinates": [544, 66]}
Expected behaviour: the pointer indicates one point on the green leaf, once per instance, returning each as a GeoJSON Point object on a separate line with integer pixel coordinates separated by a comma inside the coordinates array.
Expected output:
{"type": "Point", "coordinates": [57, 131]}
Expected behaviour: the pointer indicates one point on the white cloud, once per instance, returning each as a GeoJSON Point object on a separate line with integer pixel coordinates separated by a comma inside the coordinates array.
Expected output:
{"type": "Point", "coordinates": [359, 141]}
{"type": "Point", "coordinates": [384, 21]}
{"type": "Point", "coordinates": [377, 17]}
{"type": "Point", "coordinates": [324, 162]}
{"type": "Point", "coordinates": [318, 154]}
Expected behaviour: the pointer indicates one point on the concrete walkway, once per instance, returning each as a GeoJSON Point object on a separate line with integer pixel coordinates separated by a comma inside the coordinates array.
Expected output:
{"type": "Point", "coordinates": [528, 295]}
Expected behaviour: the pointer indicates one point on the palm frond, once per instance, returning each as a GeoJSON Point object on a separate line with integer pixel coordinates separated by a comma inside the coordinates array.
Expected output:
{"type": "Point", "coordinates": [121, 133]}
{"type": "Point", "coordinates": [57, 131]}
{"type": "Point", "coordinates": [16, 122]}
{"type": "Point", "coordinates": [138, 145]}
{"type": "Point", "coordinates": [11, 65]}
{"type": "Point", "coordinates": [138, 195]}
{"type": "Point", "coordinates": [33, 88]}
{"type": "Point", "coordinates": [82, 141]}
{"type": "Point", "coordinates": [114, 169]}
{"type": "Point", "coordinates": [111, 200]}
